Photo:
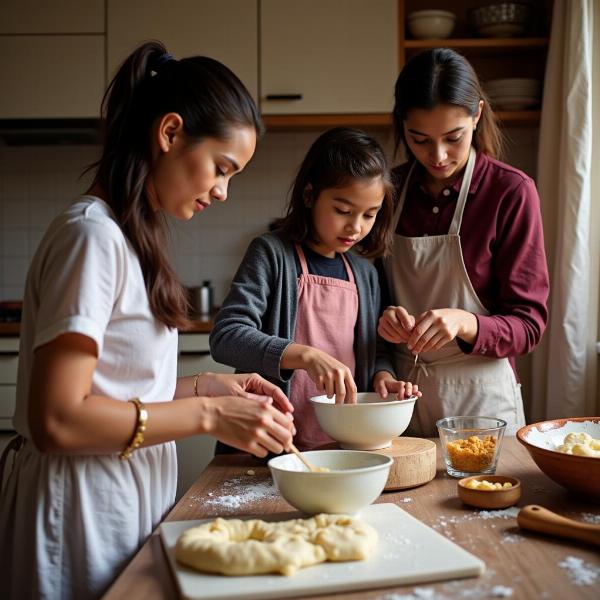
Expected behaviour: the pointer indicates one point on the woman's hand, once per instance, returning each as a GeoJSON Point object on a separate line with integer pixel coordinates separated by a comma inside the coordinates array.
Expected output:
{"type": "Point", "coordinates": [385, 384]}
{"type": "Point", "coordinates": [328, 373]}
{"type": "Point", "coordinates": [251, 424]}
{"type": "Point", "coordinates": [435, 328]}
{"type": "Point", "coordinates": [395, 325]}
{"type": "Point", "coordinates": [244, 385]}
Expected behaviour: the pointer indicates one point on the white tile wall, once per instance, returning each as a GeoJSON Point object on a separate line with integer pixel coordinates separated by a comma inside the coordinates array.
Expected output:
{"type": "Point", "coordinates": [37, 182]}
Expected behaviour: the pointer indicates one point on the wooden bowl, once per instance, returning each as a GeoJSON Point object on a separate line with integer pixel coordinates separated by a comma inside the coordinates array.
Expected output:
{"type": "Point", "coordinates": [490, 498]}
{"type": "Point", "coordinates": [577, 473]}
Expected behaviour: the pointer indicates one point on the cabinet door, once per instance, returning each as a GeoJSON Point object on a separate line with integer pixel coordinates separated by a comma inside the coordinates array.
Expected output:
{"type": "Point", "coordinates": [328, 56]}
{"type": "Point", "coordinates": [56, 16]}
{"type": "Point", "coordinates": [51, 76]}
{"type": "Point", "coordinates": [194, 356]}
{"type": "Point", "coordinates": [222, 29]}
{"type": "Point", "coordinates": [8, 395]}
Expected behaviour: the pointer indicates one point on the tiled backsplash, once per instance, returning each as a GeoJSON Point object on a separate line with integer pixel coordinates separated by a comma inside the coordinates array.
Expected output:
{"type": "Point", "coordinates": [37, 182]}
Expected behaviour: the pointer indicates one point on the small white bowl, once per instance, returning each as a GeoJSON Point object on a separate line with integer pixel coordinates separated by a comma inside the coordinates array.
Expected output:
{"type": "Point", "coordinates": [354, 481]}
{"type": "Point", "coordinates": [370, 424]}
{"type": "Point", "coordinates": [431, 24]}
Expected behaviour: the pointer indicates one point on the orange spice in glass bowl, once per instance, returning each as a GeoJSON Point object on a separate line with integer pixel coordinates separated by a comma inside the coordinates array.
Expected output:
{"type": "Point", "coordinates": [471, 445]}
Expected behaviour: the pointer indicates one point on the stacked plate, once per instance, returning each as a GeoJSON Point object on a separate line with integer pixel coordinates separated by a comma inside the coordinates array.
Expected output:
{"type": "Point", "coordinates": [517, 93]}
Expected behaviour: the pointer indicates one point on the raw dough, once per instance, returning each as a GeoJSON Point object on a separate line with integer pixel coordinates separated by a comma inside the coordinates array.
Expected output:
{"type": "Point", "coordinates": [581, 444]}
{"type": "Point", "coordinates": [237, 547]}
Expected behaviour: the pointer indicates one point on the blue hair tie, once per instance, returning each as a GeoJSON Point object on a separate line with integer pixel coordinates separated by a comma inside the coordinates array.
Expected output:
{"type": "Point", "coordinates": [164, 58]}
{"type": "Point", "coordinates": [160, 61]}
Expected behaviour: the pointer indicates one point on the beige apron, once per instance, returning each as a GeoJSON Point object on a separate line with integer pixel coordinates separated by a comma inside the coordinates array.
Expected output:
{"type": "Point", "coordinates": [427, 273]}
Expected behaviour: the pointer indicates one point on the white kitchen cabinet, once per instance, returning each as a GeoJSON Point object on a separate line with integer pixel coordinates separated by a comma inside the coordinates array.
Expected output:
{"type": "Point", "coordinates": [226, 30]}
{"type": "Point", "coordinates": [51, 16]}
{"type": "Point", "coordinates": [194, 453]}
{"type": "Point", "coordinates": [328, 57]}
{"type": "Point", "coordinates": [51, 76]}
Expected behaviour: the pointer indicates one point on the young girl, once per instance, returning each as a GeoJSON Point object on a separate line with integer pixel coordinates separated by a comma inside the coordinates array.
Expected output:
{"type": "Point", "coordinates": [302, 310]}
{"type": "Point", "coordinates": [94, 473]}
{"type": "Point", "coordinates": [467, 275]}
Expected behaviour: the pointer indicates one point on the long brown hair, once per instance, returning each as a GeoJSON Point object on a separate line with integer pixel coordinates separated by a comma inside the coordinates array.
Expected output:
{"type": "Point", "coordinates": [336, 158]}
{"type": "Point", "coordinates": [443, 76]}
{"type": "Point", "coordinates": [150, 83]}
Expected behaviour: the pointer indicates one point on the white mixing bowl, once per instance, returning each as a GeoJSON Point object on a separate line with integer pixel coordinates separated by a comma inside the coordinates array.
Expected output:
{"type": "Point", "coordinates": [369, 424]}
{"type": "Point", "coordinates": [354, 481]}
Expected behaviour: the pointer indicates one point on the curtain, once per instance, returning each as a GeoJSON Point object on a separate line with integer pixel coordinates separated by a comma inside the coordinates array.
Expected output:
{"type": "Point", "coordinates": [565, 364]}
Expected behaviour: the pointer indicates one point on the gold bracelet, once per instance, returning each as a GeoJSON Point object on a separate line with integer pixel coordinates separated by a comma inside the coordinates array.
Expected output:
{"type": "Point", "coordinates": [138, 435]}
{"type": "Point", "coordinates": [196, 384]}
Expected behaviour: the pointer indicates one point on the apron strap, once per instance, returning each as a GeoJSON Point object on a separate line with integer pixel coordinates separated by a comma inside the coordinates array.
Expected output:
{"type": "Point", "coordinates": [304, 264]}
{"type": "Point", "coordinates": [348, 269]}
{"type": "Point", "coordinates": [302, 258]}
{"type": "Point", "coordinates": [15, 445]}
{"type": "Point", "coordinates": [462, 195]}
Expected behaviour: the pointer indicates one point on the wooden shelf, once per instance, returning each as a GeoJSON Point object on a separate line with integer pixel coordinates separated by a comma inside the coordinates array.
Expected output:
{"type": "Point", "coordinates": [377, 121]}
{"type": "Point", "coordinates": [501, 43]}
{"type": "Point", "coordinates": [288, 122]}
{"type": "Point", "coordinates": [518, 117]}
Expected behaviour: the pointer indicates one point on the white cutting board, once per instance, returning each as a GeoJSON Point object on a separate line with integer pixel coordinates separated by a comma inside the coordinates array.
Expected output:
{"type": "Point", "coordinates": [408, 552]}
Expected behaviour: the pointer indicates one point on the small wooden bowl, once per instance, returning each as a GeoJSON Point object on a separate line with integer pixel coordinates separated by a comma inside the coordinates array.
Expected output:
{"type": "Point", "coordinates": [490, 498]}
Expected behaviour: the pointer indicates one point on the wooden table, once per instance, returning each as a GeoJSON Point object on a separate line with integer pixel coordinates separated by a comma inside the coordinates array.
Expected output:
{"type": "Point", "coordinates": [521, 562]}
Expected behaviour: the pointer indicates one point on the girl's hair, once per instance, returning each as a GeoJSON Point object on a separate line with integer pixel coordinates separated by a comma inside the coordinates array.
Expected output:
{"type": "Point", "coordinates": [336, 158]}
{"type": "Point", "coordinates": [211, 100]}
{"type": "Point", "coordinates": [442, 76]}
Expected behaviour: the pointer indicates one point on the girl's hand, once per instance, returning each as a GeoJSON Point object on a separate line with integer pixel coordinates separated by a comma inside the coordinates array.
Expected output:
{"type": "Point", "coordinates": [435, 328]}
{"type": "Point", "coordinates": [244, 385]}
{"type": "Point", "coordinates": [251, 424]}
{"type": "Point", "coordinates": [395, 325]}
{"type": "Point", "coordinates": [385, 384]}
{"type": "Point", "coordinates": [328, 373]}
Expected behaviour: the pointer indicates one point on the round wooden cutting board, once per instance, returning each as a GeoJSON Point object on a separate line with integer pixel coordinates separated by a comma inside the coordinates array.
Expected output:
{"type": "Point", "coordinates": [414, 462]}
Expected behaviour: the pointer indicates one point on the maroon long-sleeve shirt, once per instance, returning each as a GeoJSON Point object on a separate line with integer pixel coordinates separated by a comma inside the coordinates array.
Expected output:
{"type": "Point", "coordinates": [503, 249]}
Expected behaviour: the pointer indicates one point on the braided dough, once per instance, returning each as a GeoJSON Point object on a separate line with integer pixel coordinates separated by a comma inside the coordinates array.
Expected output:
{"type": "Point", "coordinates": [236, 547]}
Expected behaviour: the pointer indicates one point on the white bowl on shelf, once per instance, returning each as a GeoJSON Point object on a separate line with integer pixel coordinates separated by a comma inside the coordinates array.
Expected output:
{"type": "Point", "coordinates": [355, 480]}
{"type": "Point", "coordinates": [370, 424]}
{"type": "Point", "coordinates": [431, 24]}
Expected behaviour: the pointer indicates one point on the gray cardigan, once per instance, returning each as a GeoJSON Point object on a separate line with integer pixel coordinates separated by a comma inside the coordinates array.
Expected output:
{"type": "Point", "coordinates": [257, 320]}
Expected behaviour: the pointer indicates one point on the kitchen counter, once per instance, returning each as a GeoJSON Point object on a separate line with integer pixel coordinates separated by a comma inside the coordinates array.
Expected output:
{"type": "Point", "coordinates": [197, 326]}
{"type": "Point", "coordinates": [520, 564]}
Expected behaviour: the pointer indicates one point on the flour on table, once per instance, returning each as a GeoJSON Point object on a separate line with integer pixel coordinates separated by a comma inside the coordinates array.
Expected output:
{"type": "Point", "coordinates": [591, 518]}
{"type": "Point", "coordinates": [237, 492]}
{"type": "Point", "coordinates": [579, 572]}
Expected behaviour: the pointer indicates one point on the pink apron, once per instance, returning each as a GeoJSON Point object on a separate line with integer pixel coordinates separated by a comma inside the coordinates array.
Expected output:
{"type": "Point", "coordinates": [326, 317]}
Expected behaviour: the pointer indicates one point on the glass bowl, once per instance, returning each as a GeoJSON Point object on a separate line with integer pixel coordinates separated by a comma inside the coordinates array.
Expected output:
{"type": "Point", "coordinates": [471, 445]}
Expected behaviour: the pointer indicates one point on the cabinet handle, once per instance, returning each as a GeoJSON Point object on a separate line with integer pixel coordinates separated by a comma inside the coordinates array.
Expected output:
{"type": "Point", "coordinates": [284, 96]}
{"type": "Point", "coordinates": [194, 353]}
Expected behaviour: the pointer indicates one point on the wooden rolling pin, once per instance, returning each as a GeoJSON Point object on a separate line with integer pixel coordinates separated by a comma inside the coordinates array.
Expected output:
{"type": "Point", "coordinates": [543, 520]}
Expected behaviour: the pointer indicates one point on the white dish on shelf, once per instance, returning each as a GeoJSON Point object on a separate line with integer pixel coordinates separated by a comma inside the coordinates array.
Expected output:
{"type": "Point", "coordinates": [431, 24]}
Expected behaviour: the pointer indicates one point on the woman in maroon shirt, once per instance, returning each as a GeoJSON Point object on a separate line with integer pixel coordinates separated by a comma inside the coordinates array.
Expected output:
{"type": "Point", "coordinates": [467, 277]}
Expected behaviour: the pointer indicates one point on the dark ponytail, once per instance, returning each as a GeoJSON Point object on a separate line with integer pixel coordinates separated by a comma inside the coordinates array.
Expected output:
{"type": "Point", "coordinates": [150, 83]}
{"type": "Point", "coordinates": [442, 76]}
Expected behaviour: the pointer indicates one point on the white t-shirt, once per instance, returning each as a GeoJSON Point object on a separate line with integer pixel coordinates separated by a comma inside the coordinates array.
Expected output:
{"type": "Point", "coordinates": [86, 278]}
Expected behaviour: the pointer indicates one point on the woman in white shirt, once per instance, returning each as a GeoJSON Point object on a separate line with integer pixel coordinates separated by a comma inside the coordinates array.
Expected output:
{"type": "Point", "coordinates": [98, 401]}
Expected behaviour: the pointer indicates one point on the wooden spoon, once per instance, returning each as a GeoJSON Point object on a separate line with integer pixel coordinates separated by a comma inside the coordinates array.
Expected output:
{"type": "Point", "coordinates": [312, 468]}
{"type": "Point", "coordinates": [541, 519]}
